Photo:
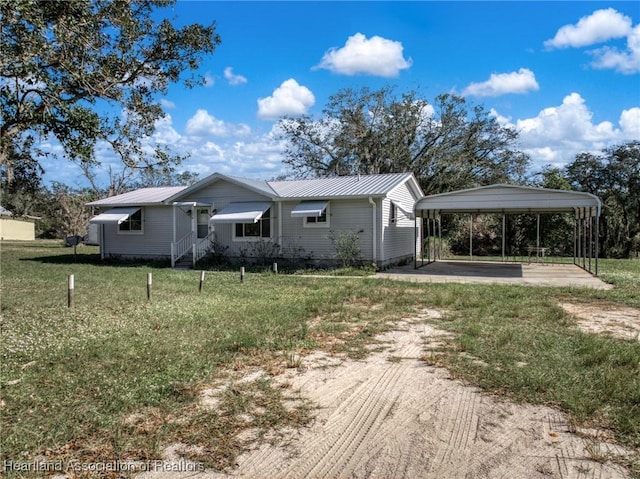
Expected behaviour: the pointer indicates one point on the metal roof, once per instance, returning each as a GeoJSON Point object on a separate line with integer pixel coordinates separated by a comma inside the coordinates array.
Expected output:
{"type": "Point", "coordinates": [339, 186]}
{"type": "Point", "coordinates": [141, 197]}
{"type": "Point", "coordinates": [319, 188]}
{"type": "Point", "coordinates": [509, 199]}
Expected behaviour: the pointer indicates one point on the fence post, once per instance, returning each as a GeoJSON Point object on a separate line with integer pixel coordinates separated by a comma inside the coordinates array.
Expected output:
{"type": "Point", "coordinates": [149, 282]}
{"type": "Point", "coordinates": [201, 281]}
{"type": "Point", "coordinates": [242, 274]}
{"type": "Point", "coordinates": [275, 268]}
{"type": "Point", "coordinates": [70, 291]}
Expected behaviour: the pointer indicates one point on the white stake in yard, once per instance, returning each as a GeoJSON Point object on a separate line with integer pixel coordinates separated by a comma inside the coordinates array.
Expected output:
{"type": "Point", "coordinates": [201, 281]}
{"type": "Point", "coordinates": [70, 291]}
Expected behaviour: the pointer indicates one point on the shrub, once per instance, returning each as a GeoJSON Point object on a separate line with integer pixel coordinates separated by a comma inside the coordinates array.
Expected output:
{"type": "Point", "coordinates": [347, 246]}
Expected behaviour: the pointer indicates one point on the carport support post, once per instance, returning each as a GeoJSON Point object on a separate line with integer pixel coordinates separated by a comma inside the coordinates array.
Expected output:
{"type": "Point", "coordinates": [584, 235]}
{"type": "Point", "coordinates": [428, 239]}
{"type": "Point", "coordinates": [590, 238]}
{"type": "Point", "coordinates": [575, 237]}
{"type": "Point", "coordinates": [597, 239]}
{"type": "Point", "coordinates": [415, 241]}
{"type": "Point", "coordinates": [471, 237]}
{"type": "Point", "coordinates": [503, 230]}
{"type": "Point", "coordinates": [421, 237]}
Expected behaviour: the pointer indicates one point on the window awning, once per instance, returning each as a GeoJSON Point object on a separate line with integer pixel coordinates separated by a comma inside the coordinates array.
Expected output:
{"type": "Point", "coordinates": [249, 212]}
{"type": "Point", "coordinates": [309, 208]}
{"type": "Point", "coordinates": [114, 215]}
{"type": "Point", "coordinates": [405, 211]}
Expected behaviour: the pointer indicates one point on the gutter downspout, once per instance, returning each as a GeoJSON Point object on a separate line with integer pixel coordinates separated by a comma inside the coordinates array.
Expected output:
{"type": "Point", "coordinates": [280, 226]}
{"type": "Point", "coordinates": [375, 229]}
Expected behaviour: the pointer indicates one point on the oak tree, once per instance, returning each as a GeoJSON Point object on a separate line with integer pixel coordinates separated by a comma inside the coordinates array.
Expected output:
{"type": "Point", "coordinates": [448, 145]}
{"type": "Point", "coordinates": [88, 71]}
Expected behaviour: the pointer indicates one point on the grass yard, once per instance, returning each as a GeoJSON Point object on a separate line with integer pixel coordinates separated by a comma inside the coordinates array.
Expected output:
{"type": "Point", "coordinates": [118, 377]}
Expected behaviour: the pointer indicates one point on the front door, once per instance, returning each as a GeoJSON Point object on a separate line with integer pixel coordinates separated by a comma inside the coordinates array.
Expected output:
{"type": "Point", "coordinates": [202, 222]}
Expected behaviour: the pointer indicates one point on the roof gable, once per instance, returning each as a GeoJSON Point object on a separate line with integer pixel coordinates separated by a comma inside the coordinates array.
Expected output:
{"type": "Point", "coordinates": [258, 186]}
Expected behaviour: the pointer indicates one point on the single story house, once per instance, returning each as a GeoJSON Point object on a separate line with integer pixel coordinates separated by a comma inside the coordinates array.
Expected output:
{"type": "Point", "coordinates": [292, 219]}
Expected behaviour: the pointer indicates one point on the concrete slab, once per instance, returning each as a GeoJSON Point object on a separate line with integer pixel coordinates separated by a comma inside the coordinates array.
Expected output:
{"type": "Point", "coordinates": [486, 272]}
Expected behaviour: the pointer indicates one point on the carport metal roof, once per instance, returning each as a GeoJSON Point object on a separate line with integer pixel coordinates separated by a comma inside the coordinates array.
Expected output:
{"type": "Point", "coordinates": [510, 199]}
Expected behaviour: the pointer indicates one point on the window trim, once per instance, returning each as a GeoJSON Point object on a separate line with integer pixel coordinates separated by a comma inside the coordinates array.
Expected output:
{"type": "Point", "coordinates": [260, 237]}
{"type": "Point", "coordinates": [393, 213]}
{"type": "Point", "coordinates": [128, 221]}
{"type": "Point", "coordinates": [315, 224]}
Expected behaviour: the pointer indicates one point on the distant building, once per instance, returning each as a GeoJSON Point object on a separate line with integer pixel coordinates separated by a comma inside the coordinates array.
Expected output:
{"type": "Point", "coordinates": [15, 229]}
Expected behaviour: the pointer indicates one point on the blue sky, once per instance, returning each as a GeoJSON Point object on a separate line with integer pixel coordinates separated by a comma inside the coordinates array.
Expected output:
{"type": "Point", "coordinates": [566, 75]}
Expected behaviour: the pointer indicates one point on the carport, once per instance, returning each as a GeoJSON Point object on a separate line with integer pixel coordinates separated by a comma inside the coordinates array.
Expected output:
{"type": "Point", "coordinates": [505, 200]}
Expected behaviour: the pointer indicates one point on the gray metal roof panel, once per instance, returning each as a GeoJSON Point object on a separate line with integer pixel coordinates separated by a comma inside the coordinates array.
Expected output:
{"type": "Point", "coordinates": [142, 196]}
{"type": "Point", "coordinates": [508, 198]}
{"type": "Point", "coordinates": [339, 186]}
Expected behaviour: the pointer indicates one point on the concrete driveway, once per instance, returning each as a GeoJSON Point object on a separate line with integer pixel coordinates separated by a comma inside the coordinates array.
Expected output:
{"type": "Point", "coordinates": [486, 272]}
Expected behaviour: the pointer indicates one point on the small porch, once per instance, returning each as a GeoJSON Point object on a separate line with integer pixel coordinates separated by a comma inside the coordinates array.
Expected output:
{"type": "Point", "coordinates": [192, 237]}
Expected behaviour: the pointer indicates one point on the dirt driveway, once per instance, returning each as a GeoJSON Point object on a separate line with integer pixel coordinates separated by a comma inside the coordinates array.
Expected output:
{"type": "Point", "coordinates": [393, 416]}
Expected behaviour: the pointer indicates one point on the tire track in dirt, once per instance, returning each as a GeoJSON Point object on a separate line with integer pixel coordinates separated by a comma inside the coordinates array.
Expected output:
{"type": "Point", "coordinates": [391, 416]}
{"type": "Point", "coordinates": [361, 416]}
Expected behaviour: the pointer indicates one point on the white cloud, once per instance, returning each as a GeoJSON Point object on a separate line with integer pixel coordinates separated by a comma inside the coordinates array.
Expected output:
{"type": "Point", "coordinates": [627, 62]}
{"type": "Point", "coordinates": [558, 133]}
{"type": "Point", "coordinates": [165, 133]}
{"type": "Point", "coordinates": [204, 124]}
{"type": "Point", "coordinates": [375, 56]}
{"type": "Point", "coordinates": [209, 81]}
{"type": "Point", "coordinates": [600, 26]}
{"type": "Point", "coordinates": [167, 104]}
{"type": "Point", "coordinates": [232, 78]}
{"type": "Point", "coordinates": [290, 98]}
{"type": "Point", "coordinates": [522, 81]}
{"type": "Point", "coordinates": [630, 123]}
{"type": "Point", "coordinates": [569, 122]}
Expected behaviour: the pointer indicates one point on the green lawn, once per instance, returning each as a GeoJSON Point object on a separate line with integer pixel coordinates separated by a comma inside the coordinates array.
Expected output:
{"type": "Point", "coordinates": [118, 377]}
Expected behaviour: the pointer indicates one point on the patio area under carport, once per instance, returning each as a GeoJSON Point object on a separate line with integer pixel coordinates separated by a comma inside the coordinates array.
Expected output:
{"type": "Point", "coordinates": [510, 200]}
{"type": "Point", "coordinates": [492, 272]}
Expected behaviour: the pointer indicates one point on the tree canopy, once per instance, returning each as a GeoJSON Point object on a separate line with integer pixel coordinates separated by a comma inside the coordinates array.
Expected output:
{"type": "Point", "coordinates": [613, 176]}
{"type": "Point", "coordinates": [88, 70]}
{"type": "Point", "coordinates": [447, 145]}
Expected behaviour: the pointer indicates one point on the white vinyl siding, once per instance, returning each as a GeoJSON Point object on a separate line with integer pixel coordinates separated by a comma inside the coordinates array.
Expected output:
{"type": "Point", "coordinates": [398, 238]}
{"type": "Point", "coordinates": [154, 242]}
{"type": "Point", "coordinates": [354, 215]}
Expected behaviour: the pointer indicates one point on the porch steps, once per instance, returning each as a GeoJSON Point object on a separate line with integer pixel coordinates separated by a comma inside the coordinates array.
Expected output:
{"type": "Point", "coordinates": [186, 262]}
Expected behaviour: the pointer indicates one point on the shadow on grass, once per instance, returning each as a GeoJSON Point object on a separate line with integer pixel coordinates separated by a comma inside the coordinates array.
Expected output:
{"type": "Point", "coordinates": [95, 260]}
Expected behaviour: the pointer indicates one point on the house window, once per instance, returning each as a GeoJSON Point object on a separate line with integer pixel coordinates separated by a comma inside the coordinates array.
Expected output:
{"type": "Point", "coordinates": [132, 225]}
{"type": "Point", "coordinates": [321, 221]}
{"type": "Point", "coordinates": [260, 229]}
{"type": "Point", "coordinates": [393, 214]}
